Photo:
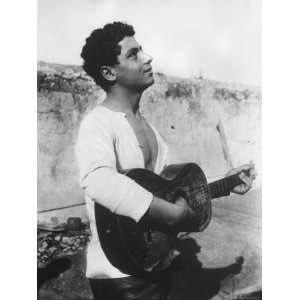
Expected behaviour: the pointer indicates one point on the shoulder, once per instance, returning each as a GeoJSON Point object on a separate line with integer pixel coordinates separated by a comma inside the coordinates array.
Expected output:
{"type": "Point", "coordinates": [98, 118]}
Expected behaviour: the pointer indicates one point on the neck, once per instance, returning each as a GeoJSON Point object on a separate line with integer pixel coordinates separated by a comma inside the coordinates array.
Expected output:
{"type": "Point", "coordinates": [123, 100]}
{"type": "Point", "coordinates": [223, 186]}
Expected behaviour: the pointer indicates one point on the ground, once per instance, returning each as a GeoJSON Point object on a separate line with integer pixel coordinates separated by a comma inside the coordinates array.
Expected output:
{"type": "Point", "coordinates": [234, 231]}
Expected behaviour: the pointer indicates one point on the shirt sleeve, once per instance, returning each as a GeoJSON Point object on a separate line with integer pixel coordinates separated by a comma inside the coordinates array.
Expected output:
{"type": "Point", "coordinates": [99, 177]}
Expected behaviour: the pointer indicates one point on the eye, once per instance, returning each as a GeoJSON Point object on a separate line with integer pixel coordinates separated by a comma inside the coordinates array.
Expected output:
{"type": "Point", "coordinates": [133, 55]}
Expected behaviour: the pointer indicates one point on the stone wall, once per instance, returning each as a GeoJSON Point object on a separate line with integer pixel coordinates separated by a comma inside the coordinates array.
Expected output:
{"type": "Point", "coordinates": [185, 111]}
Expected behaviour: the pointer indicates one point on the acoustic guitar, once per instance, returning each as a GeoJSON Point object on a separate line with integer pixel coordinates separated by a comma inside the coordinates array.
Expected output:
{"type": "Point", "coordinates": [135, 249]}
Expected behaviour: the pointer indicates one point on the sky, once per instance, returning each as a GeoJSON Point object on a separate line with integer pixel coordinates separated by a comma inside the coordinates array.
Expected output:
{"type": "Point", "coordinates": [218, 39]}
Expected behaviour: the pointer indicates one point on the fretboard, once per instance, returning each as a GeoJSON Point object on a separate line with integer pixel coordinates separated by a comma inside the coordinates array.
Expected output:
{"type": "Point", "coordinates": [223, 186]}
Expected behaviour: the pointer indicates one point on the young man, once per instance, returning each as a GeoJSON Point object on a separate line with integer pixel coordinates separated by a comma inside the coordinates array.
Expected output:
{"type": "Point", "coordinates": [115, 137]}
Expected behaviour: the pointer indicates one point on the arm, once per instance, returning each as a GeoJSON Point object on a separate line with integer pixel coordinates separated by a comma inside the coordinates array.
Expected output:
{"type": "Point", "coordinates": [174, 217]}
{"type": "Point", "coordinates": [117, 192]}
{"type": "Point", "coordinates": [132, 200]}
{"type": "Point", "coordinates": [247, 173]}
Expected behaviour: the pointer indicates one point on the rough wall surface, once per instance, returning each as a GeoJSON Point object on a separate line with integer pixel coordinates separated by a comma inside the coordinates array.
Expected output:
{"type": "Point", "coordinates": [185, 112]}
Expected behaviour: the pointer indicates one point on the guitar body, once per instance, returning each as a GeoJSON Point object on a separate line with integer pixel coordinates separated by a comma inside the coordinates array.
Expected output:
{"type": "Point", "coordinates": [131, 247]}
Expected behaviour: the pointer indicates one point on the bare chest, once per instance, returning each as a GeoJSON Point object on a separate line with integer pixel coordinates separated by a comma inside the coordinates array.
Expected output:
{"type": "Point", "coordinates": [146, 139]}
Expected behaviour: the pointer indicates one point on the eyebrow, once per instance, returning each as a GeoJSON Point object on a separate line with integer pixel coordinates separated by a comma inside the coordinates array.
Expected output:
{"type": "Point", "coordinates": [134, 49]}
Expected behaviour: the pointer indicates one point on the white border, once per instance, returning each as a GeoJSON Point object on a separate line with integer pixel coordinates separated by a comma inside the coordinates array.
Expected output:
{"type": "Point", "coordinates": [281, 151]}
{"type": "Point", "coordinates": [18, 149]}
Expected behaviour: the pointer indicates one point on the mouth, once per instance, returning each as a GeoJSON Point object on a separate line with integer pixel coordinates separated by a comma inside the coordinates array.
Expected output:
{"type": "Point", "coordinates": [149, 70]}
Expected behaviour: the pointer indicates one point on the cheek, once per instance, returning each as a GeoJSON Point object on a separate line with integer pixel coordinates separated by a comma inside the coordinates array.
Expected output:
{"type": "Point", "coordinates": [132, 73]}
{"type": "Point", "coordinates": [128, 70]}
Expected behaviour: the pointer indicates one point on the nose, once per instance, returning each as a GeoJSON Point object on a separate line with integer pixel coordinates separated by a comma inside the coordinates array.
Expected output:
{"type": "Point", "coordinates": [147, 58]}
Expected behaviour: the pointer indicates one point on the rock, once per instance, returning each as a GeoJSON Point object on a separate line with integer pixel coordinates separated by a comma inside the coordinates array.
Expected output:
{"type": "Point", "coordinates": [66, 240]}
{"type": "Point", "coordinates": [58, 238]}
{"type": "Point", "coordinates": [44, 245]}
{"type": "Point", "coordinates": [52, 245]}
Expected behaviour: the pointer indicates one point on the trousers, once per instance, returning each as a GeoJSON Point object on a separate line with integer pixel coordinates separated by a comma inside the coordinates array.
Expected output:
{"type": "Point", "coordinates": [167, 285]}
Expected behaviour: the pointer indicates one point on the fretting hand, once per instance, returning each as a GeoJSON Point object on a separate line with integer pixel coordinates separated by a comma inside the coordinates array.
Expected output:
{"type": "Point", "coordinates": [247, 174]}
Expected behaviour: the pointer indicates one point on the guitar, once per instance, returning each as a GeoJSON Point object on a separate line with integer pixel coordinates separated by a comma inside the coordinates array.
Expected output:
{"type": "Point", "coordinates": [135, 249]}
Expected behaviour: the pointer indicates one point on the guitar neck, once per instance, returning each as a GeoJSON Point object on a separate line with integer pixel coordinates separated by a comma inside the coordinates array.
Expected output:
{"type": "Point", "coordinates": [223, 186]}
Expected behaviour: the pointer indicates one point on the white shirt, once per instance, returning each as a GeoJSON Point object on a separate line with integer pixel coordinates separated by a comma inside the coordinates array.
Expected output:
{"type": "Point", "coordinates": [106, 146]}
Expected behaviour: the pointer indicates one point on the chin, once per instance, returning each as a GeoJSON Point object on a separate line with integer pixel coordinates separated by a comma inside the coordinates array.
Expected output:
{"type": "Point", "coordinates": [141, 86]}
{"type": "Point", "coordinates": [151, 81]}
{"type": "Point", "coordinates": [145, 85]}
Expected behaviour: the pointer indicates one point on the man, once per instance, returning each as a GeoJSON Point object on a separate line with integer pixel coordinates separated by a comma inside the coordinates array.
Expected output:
{"type": "Point", "coordinates": [115, 137]}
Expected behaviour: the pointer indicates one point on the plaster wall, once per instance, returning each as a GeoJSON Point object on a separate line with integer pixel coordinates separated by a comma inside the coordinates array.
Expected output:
{"type": "Point", "coordinates": [185, 112]}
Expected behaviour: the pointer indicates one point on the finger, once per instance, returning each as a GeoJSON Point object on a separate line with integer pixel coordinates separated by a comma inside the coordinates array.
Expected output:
{"type": "Point", "coordinates": [246, 180]}
{"type": "Point", "coordinates": [249, 169]}
{"type": "Point", "coordinates": [253, 174]}
{"type": "Point", "coordinates": [253, 171]}
{"type": "Point", "coordinates": [242, 189]}
{"type": "Point", "coordinates": [245, 167]}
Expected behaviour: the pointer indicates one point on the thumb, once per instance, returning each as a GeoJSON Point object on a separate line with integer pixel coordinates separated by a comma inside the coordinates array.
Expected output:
{"type": "Point", "coordinates": [246, 180]}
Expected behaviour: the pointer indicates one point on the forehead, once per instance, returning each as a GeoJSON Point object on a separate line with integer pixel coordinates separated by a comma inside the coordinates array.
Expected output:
{"type": "Point", "coordinates": [128, 43]}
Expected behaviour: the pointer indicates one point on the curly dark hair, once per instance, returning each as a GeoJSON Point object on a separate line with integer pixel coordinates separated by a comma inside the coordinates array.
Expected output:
{"type": "Point", "coordinates": [101, 49]}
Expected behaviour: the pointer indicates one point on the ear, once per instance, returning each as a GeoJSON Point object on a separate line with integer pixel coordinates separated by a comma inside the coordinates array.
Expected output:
{"type": "Point", "coordinates": [108, 73]}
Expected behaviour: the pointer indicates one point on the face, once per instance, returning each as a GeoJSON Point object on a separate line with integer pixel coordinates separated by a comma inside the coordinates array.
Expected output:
{"type": "Point", "coordinates": [134, 70]}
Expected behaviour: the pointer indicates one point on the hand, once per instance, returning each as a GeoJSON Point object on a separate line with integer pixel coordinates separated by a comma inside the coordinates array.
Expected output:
{"type": "Point", "coordinates": [189, 222]}
{"type": "Point", "coordinates": [182, 203]}
{"type": "Point", "coordinates": [247, 174]}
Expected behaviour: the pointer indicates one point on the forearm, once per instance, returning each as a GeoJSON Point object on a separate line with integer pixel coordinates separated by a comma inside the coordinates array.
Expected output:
{"type": "Point", "coordinates": [123, 196]}
{"type": "Point", "coordinates": [167, 216]}
{"type": "Point", "coordinates": [117, 192]}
